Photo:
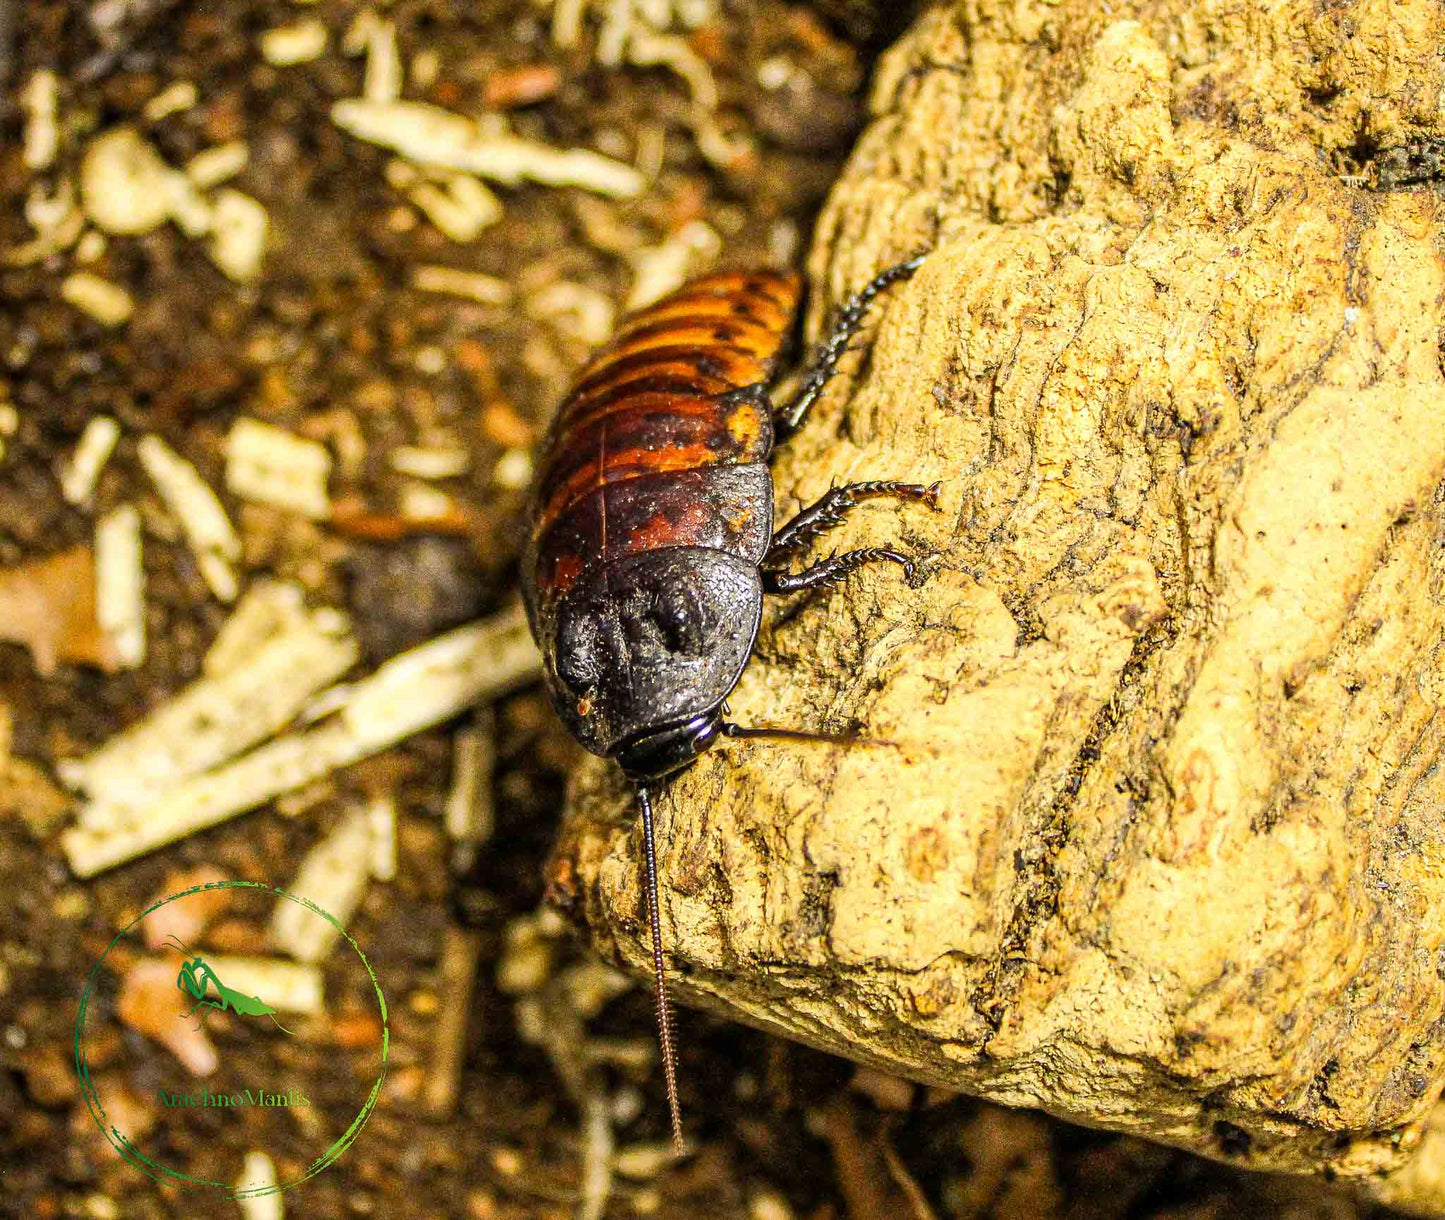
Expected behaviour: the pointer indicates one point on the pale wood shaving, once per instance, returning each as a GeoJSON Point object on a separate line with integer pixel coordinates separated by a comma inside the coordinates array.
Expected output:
{"type": "Point", "coordinates": [40, 98]}
{"type": "Point", "coordinates": [298, 43]}
{"type": "Point", "coordinates": [257, 1196]}
{"type": "Point", "coordinates": [433, 136]}
{"type": "Point", "coordinates": [237, 244]}
{"type": "Point", "coordinates": [190, 499]}
{"type": "Point", "coordinates": [485, 289]}
{"type": "Point", "coordinates": [216, 165]}
{"type": "Point", "coordinates": [181, 95]}
{"type": "Point", "coordinates": [270, 465]}
{"type": "Point", "coordinates": [381, 821]}
{"type": "Point", "coordinates": [213, 719]}
{"type": "Point", "coordinates": [430, 463]}
{"type": "Point", "coordinates": [286, 986]}
{"type": "Point", "coordinates": [108, 303]}
{"type": "Point", "coordinates": [383, 79]}
{"type": "Point", "coordinates": [425, 686]}
{"type": "Point", "coordinates": [92, 451]}
{"type": "Point", "coordinates": [333, 876]}
{"type": "Point", "coordinates": [120, 585]}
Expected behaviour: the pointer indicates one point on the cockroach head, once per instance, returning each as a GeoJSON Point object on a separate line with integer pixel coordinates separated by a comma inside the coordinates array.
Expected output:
{"type": "Point", "coordinates": [645, 650]}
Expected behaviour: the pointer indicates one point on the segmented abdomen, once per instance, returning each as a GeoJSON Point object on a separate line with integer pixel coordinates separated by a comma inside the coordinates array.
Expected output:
{"type": "Point", "coordinates": [623, 468]}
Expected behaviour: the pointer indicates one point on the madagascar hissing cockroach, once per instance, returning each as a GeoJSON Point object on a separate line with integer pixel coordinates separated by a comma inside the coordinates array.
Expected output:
{"type": "Point", "coordinates": [652, 539]}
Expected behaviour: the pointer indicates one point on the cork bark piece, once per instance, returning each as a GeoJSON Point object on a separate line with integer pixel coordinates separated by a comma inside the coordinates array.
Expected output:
{"type": "Point", "coordinates": [1151, 833]}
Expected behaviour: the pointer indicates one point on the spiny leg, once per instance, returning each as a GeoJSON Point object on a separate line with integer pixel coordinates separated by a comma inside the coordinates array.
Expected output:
{"type": "Point", "coordinates": [831, 570]}
{"type": "Point", "coordinates": [825, 361]}
{"type": "Point", "coordinates": [829, 511]}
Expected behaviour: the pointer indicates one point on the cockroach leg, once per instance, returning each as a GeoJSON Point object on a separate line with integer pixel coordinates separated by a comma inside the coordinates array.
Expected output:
{"type": "Point", "coordinates": [831, 570]}
{"type": "Point", "coordinates": [829, 511]}
{"type": "Point", "coordinates": [790, 418]}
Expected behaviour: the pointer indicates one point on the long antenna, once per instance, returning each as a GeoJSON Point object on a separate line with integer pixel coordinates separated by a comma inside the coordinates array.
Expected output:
{"type": "Point", "coordinates": [664, 1010]}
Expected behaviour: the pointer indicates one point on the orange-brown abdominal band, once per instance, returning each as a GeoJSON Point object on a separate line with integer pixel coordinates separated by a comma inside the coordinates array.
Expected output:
{"type": "Point", "coordinates": [623, 468]}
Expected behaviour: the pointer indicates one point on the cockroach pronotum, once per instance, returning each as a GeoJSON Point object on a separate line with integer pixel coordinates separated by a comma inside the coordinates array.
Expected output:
{"type": "Point", "coordinates": [652, 539]}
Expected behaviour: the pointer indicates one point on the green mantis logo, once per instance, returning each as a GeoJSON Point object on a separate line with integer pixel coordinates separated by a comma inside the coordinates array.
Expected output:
{"type": "Point", "coordinates": [195, 1076]}
{"type": "Point", "coordinates": [196, 975]}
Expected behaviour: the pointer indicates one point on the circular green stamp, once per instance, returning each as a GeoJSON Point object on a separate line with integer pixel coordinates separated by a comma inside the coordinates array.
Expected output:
{"type": "Point", "coordinates": [248, 990]}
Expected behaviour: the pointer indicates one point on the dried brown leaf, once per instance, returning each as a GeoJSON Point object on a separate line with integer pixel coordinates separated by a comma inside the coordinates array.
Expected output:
{"type": "Point", "coordinates": [49, 606]}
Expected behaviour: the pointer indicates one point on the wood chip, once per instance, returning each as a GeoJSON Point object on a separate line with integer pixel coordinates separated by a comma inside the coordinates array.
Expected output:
{"type": "Point", "coordinates": [190, 499]}
{"type": "Point", "coordinates": [520, 86]}
{"type": "Point", "coordinates": [461, 207]}
{"type": "Point", "coordinates": [381, 820]}
{"type": "Point", "coordinates": [435, 680]}
{"type": "Point", "coordinates": [647, 50]}
{"type": "Point", "coordinates": [358, 34]}
{"type": "Point", "coordinates": [286, 986]}
{"type": "Point", "coordinates": [567, 22]}
{"type": "Point", "coordinates": [298, 43]}
{"type": "Point", "coordinates": [92, 452]}
{"type": "Point", "coordinates": [643, 1162]}
{"type": "Point", "coordinates": [271, 466]}
{"type": "Point", "coordinates": [420, 688]}
{"type": "Point", "coordinates": [457, 966]}
{"type": "Point", "coordinates": [238, 235]}
{"type": "Point", "coordinates": [333, 876]}
{"type": "Point", "coordinates": [486, 289]}
{"type": "Point", "coordinates": [109, 304]}
{"type": "Point", "coordinates": [125, 186]}
{"type": "Point", "coordinates": [433, 136]}
{"type": "Point", "coordinates": [270, 608]}
{"type": "Point", "coordinates": [187, 917]}
{"type": "Point", "coordinates": [28, 795]}
{"type": "Point", "coordinates": [502, 424]}
{"type": "Point", "coordinates": [181, 95]}
{"type": "Point", "coordinates": [40, 98]}
{"type": "Point", "coordinates": [383, 79]}
{"type": "Point", "coordinates": [422, 503]}
{"type": "Point", "coordinates": [214, 718]}
{"type": "Point", "coordinates": [216, 165]}
{"type": "Point", "coordinates": [199, 803]}
{"type": "Point", "coordinates": [256, 1189]}
{"type": "Point", "coordinates": [470, 817]}
{"type": "Point", "coordinates": [149, 1004]}
{"type": "Point", "coordinates": [194, 215]}
{"type": "Point", "coordinates": [658, 270]}
{"type": "Point", "coordinates": [423, 463]}
{"type": "Point", "coordinates": [57, 222]}
{"type": "Point", "coordinates": [513, 470]}
{"type": "Point", "coordinates": [597, 1144]}
{"type": "Point", "coordinates": [528, 956]}
{"type": "Point", "coordinates": [579, 312]}
{"type": "Point", "coordinates": [120, 585]}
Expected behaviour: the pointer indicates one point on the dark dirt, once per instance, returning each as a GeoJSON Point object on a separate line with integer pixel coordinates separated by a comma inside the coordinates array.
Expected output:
{"type": "Point", "coordinates": [332, 343]}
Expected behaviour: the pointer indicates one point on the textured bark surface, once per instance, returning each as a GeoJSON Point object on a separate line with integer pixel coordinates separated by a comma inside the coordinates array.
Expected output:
{"type": "Point", "coordinates": [1159, 843]}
